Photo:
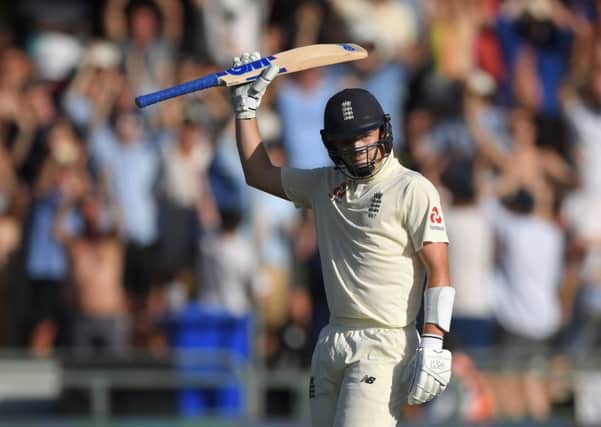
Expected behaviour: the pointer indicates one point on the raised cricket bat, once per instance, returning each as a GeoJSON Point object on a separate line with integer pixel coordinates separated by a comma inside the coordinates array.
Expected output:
{"type": "Point", "coordinates": [289, 61]}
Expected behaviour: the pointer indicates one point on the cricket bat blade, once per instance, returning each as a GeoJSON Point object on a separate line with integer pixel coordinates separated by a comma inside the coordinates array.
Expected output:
{"type": "Point", "coordinates": [289, 61]}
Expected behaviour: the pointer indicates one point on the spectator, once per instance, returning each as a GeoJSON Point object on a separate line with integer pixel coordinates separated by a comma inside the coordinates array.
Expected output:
{"type": "Point", "coordinates": [17, 127]}
{"type": "Point", "coordinates": [448, 137]}
{"type": "Point", "coordinates": [453, 31]}
{"type": "Point", "coordinates": [473, 312]}
{"type": "Point", "coordinates": [579, 212]}
{"type": "Point", "coordinates": [582, 110]}
{"type": "Point", "coordinates": [302, 96]}
{"type": "Point", "coordinates": [275, 222]}
{"type": "Point", "coordinates": [395, 29]}
{"type": "Point", "coordinates": [96, 256]}
{"type": "Point", "coordinates": [10, 241]}
{"type": "Point", "coordinates": [10, 229]}
{"type": "Point", "coordinates": [186, 201]}
{"type": "Point", "coordinates": [486, 119]}
{"type": "Point", "coordinates": [537, 39]}
{"type": "Point", "coordinates": [538, 169]}
{"type": "Point", "coordinates": [37, 114]}
{"type": "Point", "coordinates": [128, 159]}
{"type": "Point", "coordinates": [385, 71]}
{"type": "Point", "coordinates": [231, 27]}
{"type": "Point", "coordinates": [309, 280]}
{"type": "Point", "coordinates": [225, 174]}
{"type": "Point", "coordinates": [527, 287]}
{"type": "Point", "coordinates": [234, 287]}
{"type": "Point", "coordinates": [148, 31]}
{"type": "Point", "coordinates": [91, 92]}
{"type": "Point", "coordinates": [47, 268]}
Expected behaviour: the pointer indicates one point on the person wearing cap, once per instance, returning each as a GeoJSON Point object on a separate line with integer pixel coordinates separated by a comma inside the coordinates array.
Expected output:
{"type": "Point", "coordinates": [380, 227]}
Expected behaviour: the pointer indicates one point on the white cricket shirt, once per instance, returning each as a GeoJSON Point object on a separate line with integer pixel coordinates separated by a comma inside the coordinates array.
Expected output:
{"type": "Point", "coordinates": [369, 232]}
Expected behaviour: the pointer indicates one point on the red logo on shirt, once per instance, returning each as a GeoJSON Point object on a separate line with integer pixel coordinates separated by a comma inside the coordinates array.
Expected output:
{"type": "Point", "coordinates": [435, 216]}
{"type": "Point", "coordinates": [338, 192]}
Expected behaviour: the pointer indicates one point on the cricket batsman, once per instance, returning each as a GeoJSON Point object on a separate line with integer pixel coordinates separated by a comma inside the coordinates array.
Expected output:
{"type": "Point", "coordinates": [380, 227]}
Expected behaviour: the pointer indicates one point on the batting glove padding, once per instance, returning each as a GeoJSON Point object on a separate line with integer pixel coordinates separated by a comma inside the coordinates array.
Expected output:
{"type": "Point", "coordinates": [431, 374]}
{"type": "Point", "coordinates": [247, 98]}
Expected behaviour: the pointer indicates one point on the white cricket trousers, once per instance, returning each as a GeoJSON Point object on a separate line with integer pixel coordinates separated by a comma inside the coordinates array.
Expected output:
{"type": "Point", "coordinates": [359, 376]}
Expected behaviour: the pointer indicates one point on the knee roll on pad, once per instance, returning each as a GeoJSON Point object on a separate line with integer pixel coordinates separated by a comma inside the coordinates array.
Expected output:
{"type": "Point", "coordinates": [438, 306]}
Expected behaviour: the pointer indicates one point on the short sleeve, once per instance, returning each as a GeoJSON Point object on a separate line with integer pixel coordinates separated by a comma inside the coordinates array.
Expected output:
{"type": "Point", "coordinates": [423, 213]}
{"type": "Point", "coordinates": [300, 185]}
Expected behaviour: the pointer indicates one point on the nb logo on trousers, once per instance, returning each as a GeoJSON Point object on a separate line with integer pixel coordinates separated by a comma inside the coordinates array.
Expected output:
{"type": "Point", "coordinates": [367, 379]}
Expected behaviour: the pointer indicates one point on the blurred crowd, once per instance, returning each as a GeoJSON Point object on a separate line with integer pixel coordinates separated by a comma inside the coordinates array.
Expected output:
{"type": "Point", "coordinates": [113, 217]}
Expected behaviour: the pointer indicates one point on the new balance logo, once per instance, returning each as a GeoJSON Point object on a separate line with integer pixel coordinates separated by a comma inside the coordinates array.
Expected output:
{"type": "Point", "coordinates": [367, 379]}
{"type": "Point", "coordinates": [311, 388]}
{"type": "Point", "coordinates": [347, 111]}
{"type": "Point", "coordinates": [376, 202]}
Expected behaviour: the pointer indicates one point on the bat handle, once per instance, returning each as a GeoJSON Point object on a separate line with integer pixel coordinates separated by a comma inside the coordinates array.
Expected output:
{"type": "Point", "coordinates": [202, 83]}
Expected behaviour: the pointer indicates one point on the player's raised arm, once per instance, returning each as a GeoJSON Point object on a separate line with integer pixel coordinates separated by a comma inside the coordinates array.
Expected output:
{"type": "Point", "coordinates": [258, 169]}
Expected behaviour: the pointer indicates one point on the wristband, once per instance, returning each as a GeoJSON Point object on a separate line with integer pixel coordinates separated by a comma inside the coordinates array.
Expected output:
{"type": "Point", "coordinates": [431, 341]}
{"type": "Point", "coordinates": [438, 306]}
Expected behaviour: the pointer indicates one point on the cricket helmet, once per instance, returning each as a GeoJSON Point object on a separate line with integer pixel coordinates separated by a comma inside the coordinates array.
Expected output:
{"type": "Point", "coordinates": [349, 114]}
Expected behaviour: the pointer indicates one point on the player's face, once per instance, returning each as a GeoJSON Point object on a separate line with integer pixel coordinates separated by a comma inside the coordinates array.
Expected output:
{"type": "Point", "coordinates": [361, 149]}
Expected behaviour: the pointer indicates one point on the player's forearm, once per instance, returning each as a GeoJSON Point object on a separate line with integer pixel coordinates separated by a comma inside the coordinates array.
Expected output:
{"type": "Point", "coordinates": [438, 294]}
{"type": "Point", "coordinates": [253, 156]}
{"type": "Point", "coordinates": [432, 329]}
{"type": "Point", "coordinates": [259, 172]}
{"type": "Point", "coordinates": [440, 279]}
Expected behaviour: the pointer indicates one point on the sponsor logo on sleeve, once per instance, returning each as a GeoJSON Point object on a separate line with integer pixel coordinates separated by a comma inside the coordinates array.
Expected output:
{"type": "Point", "coordinates": [436, 219]}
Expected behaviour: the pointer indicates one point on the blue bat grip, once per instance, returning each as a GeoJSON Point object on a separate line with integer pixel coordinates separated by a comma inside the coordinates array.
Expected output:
{"type": "Point", "coordinates": [152, 98]}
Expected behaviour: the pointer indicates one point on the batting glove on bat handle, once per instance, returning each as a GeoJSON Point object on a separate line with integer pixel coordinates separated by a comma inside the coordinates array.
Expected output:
{"type": "Point", "coordinates": [247, 98]}
{"type": "Point", "coordinates": [431, 374]}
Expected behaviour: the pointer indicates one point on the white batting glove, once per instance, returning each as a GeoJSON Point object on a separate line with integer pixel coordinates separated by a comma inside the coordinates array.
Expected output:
{"type": "Point", "coordinates": [246, 98]}
{"type": "Point", "coordinates": [431, 374]}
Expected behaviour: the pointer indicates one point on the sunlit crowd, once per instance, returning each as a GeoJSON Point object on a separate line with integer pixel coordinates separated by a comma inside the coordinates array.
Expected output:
{"type": "Point", "coordinates": [114, 217]}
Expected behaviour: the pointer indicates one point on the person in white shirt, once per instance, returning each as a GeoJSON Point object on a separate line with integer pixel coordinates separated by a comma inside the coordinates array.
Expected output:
{"type": "Point", "coordinates": [474, 324]}
{"type": "Point", "coordinates": [227, 267]}
{"type": "Point", "coordinates": [527, 305]}
{"type": "Point", "coordinates": [380, 227]}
